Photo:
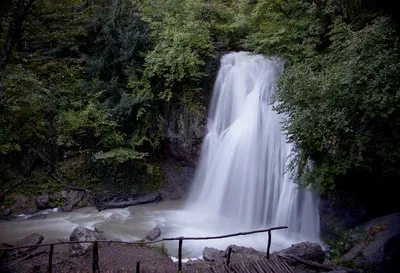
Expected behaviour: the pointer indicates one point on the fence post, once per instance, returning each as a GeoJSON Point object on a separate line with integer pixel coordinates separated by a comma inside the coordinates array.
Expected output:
{"type": "Point", "coordinates": [180, 256]}
{"type": "Point", "coordinates": [95, 261]}
{"type": "Point", "coordinates": [137, 267]}
{"type": "Point", "coordinates": [229, 256]}
{"type": "Point", "coordinates": [51, 259]}
{"type": "Point", "coordinates": [269, 243]}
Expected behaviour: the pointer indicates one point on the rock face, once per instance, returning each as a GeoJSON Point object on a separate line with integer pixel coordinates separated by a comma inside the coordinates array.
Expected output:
{"type": "Point", "coordinates": [153, 234]}
{"type": "Point", "coordinates": [338, 214]}
{"type": "Point", "coordinates": [83, 234]}
{"type": "Point", "coordinates": [184, 128]}
{"type": "Point", "coordinates": [379, 247]}
{"type": "Point", "coordinates": [307, 251]}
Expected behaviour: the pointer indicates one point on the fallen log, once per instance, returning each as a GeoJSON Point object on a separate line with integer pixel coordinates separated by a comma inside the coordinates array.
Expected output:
{"type": "Point", "coordinates": [318, 265]}
{"type": "Point", "coordinates": [152, 198]}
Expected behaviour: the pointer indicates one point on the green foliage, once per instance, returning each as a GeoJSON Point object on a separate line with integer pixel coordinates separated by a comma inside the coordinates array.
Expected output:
{"type": "Point", "coordinates": [119, 155]}
{"type": "Point", "coordinates": [289, 29]}
{"type": "Point", "coordinates": [342, 107]}
{"type": "Point", "coordinates": [181, 42]}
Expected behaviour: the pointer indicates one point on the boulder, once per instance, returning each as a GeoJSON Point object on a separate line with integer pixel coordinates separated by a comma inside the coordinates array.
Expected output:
{"type": "Point", "coordinates": [240, 253]}
{"type": "Point", "coordinates": [307, 251]}
{"type": "Point", "coordinates": [83, 234]}
{"type": "Point", "coordinates": [33, 239]}
{"type": "Point", "coordinates": [153, 234]}
{"type": "Point", "coordinates": [380, 247]}
{"type": "Point", "coordinates": [42, 201]}
{"type": "Point", "coordinates": [71, 199]}
{"type": "Point", "coordinates": [213, 255]}
{"type": "Point", "coordinates": [244, 250]}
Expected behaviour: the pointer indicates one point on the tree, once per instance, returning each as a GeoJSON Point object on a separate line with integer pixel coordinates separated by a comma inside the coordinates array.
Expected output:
{"type": "Point", "coordinates": [341, 110]}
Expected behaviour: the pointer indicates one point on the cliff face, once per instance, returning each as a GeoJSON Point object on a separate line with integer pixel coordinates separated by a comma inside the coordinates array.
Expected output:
{"type": "Point", "coordinates": [184, 130]}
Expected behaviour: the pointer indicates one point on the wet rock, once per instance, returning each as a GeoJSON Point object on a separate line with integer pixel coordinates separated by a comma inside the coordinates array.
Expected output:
{"type": "Point", "coordinates": [307, 251]}
{"type": "Point", "coordinates": [71, 199]}
{"type": "Point", "coordinates": [339, 213]}
{"type": "Point", "coordinates": [153, 234]}
{"type": "Point", "coordinates": [83, 234]}
{"type": "Point", "coordinates": [42, 201]}
{"type": "Point", "coordinates": [213, 254]}
{"type": "Point", "coordinates": [380, 247]}
{"type": "Point", "coordinates": [184, 130]}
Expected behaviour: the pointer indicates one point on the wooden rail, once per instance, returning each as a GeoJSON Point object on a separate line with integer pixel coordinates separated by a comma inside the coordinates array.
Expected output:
{"type": "Point", "coordinates": [95, 260]}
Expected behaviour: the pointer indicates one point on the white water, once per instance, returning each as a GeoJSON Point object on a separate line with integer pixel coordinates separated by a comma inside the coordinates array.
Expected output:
{"type": "Point", "coordinates": [241, 176]}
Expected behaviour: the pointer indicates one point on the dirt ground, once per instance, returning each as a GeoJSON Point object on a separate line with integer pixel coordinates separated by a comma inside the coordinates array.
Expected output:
{"type": "Point", "coordinates": [112, 258]}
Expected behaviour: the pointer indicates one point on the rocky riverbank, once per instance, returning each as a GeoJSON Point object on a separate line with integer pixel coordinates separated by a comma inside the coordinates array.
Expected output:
{"type": "Point", "coordinates": [77, 257]}
{"type": "Point", "coordinates": [374, 248]}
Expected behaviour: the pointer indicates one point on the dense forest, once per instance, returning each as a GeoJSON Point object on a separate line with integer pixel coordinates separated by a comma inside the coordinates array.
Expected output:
{"type": "Point", "coordinates": [85, 88]}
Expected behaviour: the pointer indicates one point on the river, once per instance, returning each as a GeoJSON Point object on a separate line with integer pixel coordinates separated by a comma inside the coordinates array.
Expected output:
{"type": "Point", "coordinates": [133, 223]}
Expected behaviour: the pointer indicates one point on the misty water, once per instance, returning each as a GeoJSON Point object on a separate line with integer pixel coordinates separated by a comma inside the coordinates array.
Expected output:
{"type": "Point", "coordinates": [240, 185]}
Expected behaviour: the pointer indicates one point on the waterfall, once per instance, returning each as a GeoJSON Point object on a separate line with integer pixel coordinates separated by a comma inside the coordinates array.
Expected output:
{"type": "Point", "coordinates": [241, 175]}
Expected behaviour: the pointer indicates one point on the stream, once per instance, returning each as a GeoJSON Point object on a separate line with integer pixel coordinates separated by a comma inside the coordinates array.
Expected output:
{"type": "Point", "coordinates": [133, 223]}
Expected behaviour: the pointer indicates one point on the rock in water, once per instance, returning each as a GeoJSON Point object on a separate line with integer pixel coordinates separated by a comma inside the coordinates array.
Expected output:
{"type": "Point", "coordinates": [83, 234]}
{"type": "Point", "coordinates": [153, 234]}
{"type": "Point", "coordinates": [71, 199]}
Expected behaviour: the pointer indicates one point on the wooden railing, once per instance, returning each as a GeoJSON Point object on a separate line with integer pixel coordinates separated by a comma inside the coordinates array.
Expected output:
{"type": "Point", "coordinates": [95, 259]}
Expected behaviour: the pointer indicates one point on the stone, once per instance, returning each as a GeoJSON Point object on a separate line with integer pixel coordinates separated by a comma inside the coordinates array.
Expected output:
{"type": "Point", "coordinates": [33, 239]}
{"type": "Point", "coordinates": [381, 246]}
{"type": "Point", "coordinates": [71, 199]}
{"type": "Point", "coordinates": [56, 197]}
{"type": "Point", "coordinates": [307, 251]}
{"type": "Point", "coordinates": [83, 234]}
{"type": "Point", "coordinates": [153, 234]}
{"type": "Point", "coordinates": [42, 201]}
{"type": "Point", "coordinates": [213, 255]}
{"type": "Point", "coordinates": [244, 250]}
{"type": "Point", "coordinates": [64, 194]}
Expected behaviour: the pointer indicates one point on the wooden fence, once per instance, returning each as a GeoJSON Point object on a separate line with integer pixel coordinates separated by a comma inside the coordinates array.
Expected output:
{"type": "Point", "coordinates": [95, 260]}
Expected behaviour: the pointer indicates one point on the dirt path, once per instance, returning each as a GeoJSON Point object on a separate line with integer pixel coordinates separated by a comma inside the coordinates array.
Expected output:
{"type": "Point", "coordinates": [113, 258]}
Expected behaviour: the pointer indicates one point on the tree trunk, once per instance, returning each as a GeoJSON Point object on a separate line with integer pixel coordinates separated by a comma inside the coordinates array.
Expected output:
{"type": "Point", "coordinates": [19, 13]}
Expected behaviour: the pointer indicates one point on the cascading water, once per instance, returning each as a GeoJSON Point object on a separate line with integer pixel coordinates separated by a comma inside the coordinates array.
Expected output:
{"type": "Point", "coordinates": [241, 175]}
